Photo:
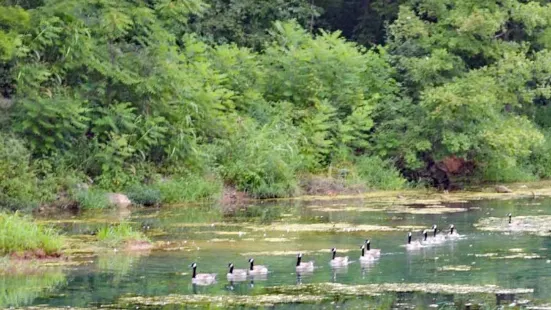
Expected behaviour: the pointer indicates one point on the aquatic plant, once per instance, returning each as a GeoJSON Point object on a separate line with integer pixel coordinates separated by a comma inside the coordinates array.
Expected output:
{"type": "Point", "coordinates": [19, 234]}
{"type": "Point", "coordinates": [115, 235]}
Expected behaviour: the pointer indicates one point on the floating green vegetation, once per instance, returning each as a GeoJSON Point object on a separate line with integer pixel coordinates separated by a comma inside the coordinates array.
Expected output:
{"type": "Point", "coordinates": [20, 289]}
{"type": "Point", "coordinates": [220, 301]}
{"type": "Point", "coordinates": [287, 253]}
{"type": "Point", "coordinates": [429, 209]}
{"type": "Point", "coordinates": [376, 289]}
{"type": "Point", "coordinates": [455, 268]}
{"type": "Point", "coordinates": [116, 235]}
{"type": "Point", "coordinates": [537, 225]}
{"type": "Point", "coordinates": [20, 234]}
{"type": "Point", "coordinates": [330, 227]}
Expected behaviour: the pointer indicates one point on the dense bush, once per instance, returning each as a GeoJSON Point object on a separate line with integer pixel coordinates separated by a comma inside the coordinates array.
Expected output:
{"type": "Point", "coordinates": [376, 173]}
{"type": "Point", "coordinates": [261, 161]}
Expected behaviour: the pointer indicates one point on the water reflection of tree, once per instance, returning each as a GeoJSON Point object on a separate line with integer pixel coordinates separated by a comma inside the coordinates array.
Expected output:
{"type": "Point", "coordinates": [22, 288]}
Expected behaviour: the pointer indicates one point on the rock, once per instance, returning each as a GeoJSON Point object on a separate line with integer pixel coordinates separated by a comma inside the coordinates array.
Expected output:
{"type": "Point", "coordinates": [119, 200]}
{"type": "Point", "coordinates": [503, 189]}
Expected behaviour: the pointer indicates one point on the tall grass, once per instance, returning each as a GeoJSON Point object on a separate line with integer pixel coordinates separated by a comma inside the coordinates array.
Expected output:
{"type": "Point", "coordinates": [192, 188]}
{"type": "Point", "coordinates": [115, 235]}
{"type": "Point", "coordinates": [19, 233]}
{"type": "Point", "coordinates": [92, 199]}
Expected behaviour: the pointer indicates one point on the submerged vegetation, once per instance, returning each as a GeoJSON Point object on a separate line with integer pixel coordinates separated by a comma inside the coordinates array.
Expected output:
{"type": "Point", "coordinates": [19, 234]}
{"type": "Point", "coordinates": [170, 102]}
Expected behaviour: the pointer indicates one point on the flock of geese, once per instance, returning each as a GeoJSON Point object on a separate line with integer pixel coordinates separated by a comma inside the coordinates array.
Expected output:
{"type": "Point", "coordinates": [368, 255]}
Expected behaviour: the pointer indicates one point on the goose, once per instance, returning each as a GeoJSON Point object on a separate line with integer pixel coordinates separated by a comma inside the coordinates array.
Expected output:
{"type": "Point", "coordinates": [453, 232]}
{"type": "Point", "coordinates": [426, 240]}
{"type": "Point", "coordinates": [303, 267]}
{"type": "Point", "coordinates": [256, 270]}
{"type": "Point", "coordinates": [338, 261]}
{"type": "Point", "coordinates": [413, 245]}
{"type": "Point", "coordinates": [236, 274]}
{"type": "Point", "coordinates": [435, 237]}
{"type": "Point", "coordinates": [365, 258]}
{"type": "Point", "coordinates": [202, 278]}
{"type": "Point", "coordinates": [369, 251]}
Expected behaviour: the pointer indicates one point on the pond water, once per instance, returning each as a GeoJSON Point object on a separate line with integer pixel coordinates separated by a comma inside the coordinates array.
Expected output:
{"type": "Point", "coordinates": [273, 233]}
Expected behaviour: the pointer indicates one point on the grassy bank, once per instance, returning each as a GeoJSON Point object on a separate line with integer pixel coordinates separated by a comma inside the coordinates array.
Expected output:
{"type": "Point", "coordinates": [19, 234]}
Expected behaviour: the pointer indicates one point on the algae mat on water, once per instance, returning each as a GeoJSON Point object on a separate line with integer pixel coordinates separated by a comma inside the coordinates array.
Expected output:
{"type": "Point", "coordinates": [312, 293]}
{"type": "Point", "coordinates": [220, 301]}
{"type": "Point", "coordinates": [376, 289]}
{"type": "Point", "coordinates": [334, 227]}
{"type": "Point", "coordinates": [537, 225]}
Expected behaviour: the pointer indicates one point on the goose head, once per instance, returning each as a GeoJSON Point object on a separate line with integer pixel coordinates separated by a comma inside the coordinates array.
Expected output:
{"type": "Point", "coordinates": [409, 237]}
{"type": "Point", "coordinates": [363, 250]}
{"type": "Point", "coordinates": [367, 244]}
{"type": "Point", "coordinates": [434, 230]}
{"type": "Point", "coordinates": [334, 251]}
{"type": "Point", "coordinates": [452, 227]}
{"type": "Point", "coordinates": [230, 265]}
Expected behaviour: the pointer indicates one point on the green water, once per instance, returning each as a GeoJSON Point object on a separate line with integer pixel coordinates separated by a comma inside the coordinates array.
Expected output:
{"type": "Point", "coordinates": [112, 276]}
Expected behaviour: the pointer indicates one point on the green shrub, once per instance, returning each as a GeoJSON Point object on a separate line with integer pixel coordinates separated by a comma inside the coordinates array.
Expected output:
{"type": "Point", "coordinates": [262, 161]}
{"type": "Point", "coordinates": [497, 171]}
{"type": "Point", "coordinates": [540, 158]}
{"type": "Point", "coordinates": [19, 233]}
{"type": "Point", "coordinates": [93, 199]}
{"type": "Point", "coordinates": [18, 183]}
{"type": "Point", "coordinates": [144, 195]}
{"type": "Point", "coordinates": [115, 235]}
{"type": "Point", "coordinates": [377, 173]}
{"type": "Point", "coordinates": [192, 188]}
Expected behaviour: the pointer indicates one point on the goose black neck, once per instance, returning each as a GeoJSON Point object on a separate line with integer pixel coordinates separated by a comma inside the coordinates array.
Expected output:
{"type": "Point", "coordinates": [252, 265]}
{"type": "Point", "coordinates": [451, 230]}
{"type": "Point", "coordinates": [509, 219]}
{"type": "Point", "coordinates": [298, 260]}
{"type": "Point", "coordinates": [231, 269]}
{"type": "Point", "coordinates": [368, 246]}
{"type": "Point", "coordinates": [434, 233]}
{"type": "Point", "coordinates": [363, 251]}
{"type": "Point", "coordinates": [334, 254]}
{"type": "Point", "coordinates": [194, 272]}
{"type": "Point", "coordinates": [425, 235]}
{"type": "Point", "coordinates": [409, 239]}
